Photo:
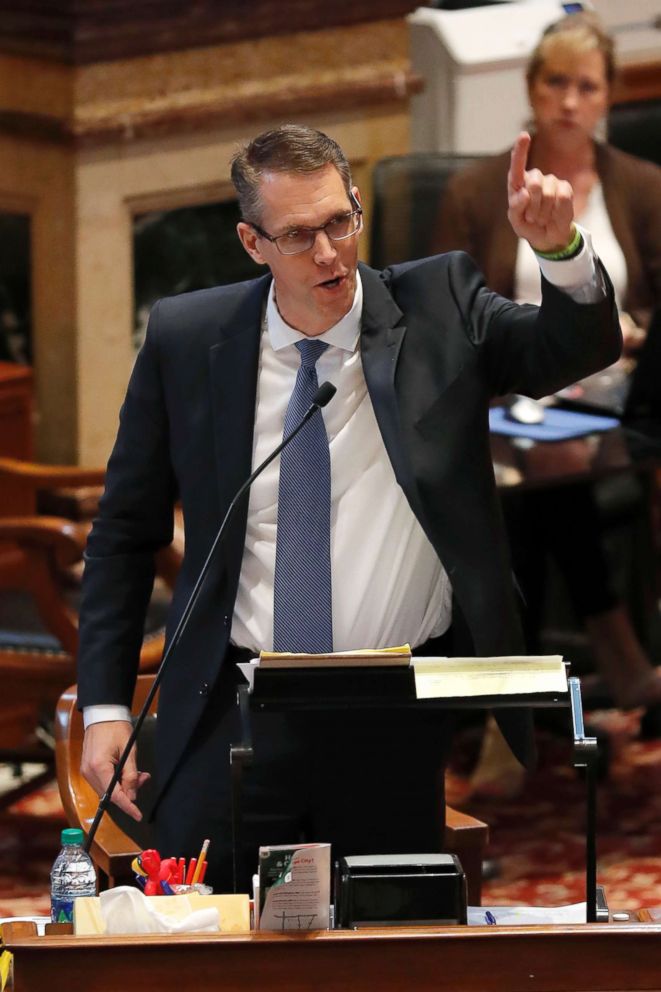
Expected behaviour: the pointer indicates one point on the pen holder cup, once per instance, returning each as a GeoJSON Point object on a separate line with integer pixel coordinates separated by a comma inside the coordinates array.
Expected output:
{"type": "Point", "coordinates": [186, 890]}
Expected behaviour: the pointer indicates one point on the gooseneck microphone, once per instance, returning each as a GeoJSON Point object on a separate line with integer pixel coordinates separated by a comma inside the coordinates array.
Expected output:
{"type": "Point", "coordinates": [323, 395]}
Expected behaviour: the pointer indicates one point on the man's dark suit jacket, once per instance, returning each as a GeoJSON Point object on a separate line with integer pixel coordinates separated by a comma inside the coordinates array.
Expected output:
{"type": "Point", "coordinates": [436, 346]}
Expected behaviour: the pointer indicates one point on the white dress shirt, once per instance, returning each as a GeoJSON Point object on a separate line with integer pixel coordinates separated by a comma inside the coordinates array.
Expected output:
{"type": "Point", "coordinates": [388, 585]}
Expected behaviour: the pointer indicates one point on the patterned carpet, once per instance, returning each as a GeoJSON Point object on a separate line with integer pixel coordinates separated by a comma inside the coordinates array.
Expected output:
{"type": "Point", "coordinates": [537, 837]}
{"type": "Point", "coordinates": [29, 842]}
{"type": "Point", "coordinates": [536, 848]}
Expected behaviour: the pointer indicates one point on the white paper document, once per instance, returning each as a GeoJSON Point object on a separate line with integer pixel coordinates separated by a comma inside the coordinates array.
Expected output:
{"type": "Point", "coordinates": [519, 916]}
{"type": "Point", "coordinates": [439, 678]}
{"type": "Point", "coordinates": [248, 669]}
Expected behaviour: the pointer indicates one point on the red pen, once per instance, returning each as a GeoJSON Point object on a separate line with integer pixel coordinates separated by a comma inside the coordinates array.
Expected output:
{"type": "Point", "coordinates": [203, 872]}
{"type": "Point", "coordinates": [181, 870]}
{"type": "Point", "coordinates": [192, 865]}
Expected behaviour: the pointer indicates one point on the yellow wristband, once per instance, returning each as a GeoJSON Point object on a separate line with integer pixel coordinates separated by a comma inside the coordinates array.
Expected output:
{"type": "Point", "coordinates": [564, 254]}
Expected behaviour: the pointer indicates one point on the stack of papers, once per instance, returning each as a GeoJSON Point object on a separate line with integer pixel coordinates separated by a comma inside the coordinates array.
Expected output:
{"type": "Point", "coordinates": [440, 678]}
{"type": "Point", "coordinates": [363, 658]}
{"type": "Point", "coordinates": [437, 678]}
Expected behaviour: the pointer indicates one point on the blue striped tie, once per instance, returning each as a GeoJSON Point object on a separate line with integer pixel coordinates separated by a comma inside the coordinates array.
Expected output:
{"type": "Point", "coordinates": [302, 603]}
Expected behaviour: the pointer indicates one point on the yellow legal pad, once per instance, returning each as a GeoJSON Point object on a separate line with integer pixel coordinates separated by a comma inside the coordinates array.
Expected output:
{"type": "Point", "coordinates": [440, 678]}
{"type": "Point", "coordinates": [233, 911]}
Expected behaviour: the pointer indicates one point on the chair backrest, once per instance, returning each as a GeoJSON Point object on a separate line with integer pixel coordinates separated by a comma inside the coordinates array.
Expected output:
{"type": "Point", "coordinates": [636, 128]}
{"type": "Point", "coordinates": [118, 839]}
{"type": "Point", "coordinates": [53, 489]}
{"type": "Point", "coordinates": [406, 193]}
{"type": "Point", "coordinates": [39, 608]}
{"type": "Point", "coordinates": [41, 560]}
{"type": "Point", "coordinates": [38, 631]}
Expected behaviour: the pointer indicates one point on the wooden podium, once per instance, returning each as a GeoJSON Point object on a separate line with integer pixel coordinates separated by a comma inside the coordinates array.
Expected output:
{"type": "Point", "coordinates": [321, 688]}
{"type": "Point", "coordinates": [585, 958]}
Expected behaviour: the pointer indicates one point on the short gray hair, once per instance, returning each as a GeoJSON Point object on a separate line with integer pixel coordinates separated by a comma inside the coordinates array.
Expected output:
{"type": "Point", "coordinates": [290, 148]}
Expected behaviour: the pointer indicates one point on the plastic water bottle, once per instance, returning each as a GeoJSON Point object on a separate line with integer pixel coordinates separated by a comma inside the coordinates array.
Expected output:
{"type": "Point", "coordinates": [72, 875]}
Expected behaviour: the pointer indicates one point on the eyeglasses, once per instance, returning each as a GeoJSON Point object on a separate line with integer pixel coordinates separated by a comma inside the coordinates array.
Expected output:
{"type": "Point", "coordinates": [302, 238]}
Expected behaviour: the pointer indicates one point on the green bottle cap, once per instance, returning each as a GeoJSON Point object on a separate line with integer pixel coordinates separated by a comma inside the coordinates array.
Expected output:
{"type": "Point", "coordinates": [72, 835]}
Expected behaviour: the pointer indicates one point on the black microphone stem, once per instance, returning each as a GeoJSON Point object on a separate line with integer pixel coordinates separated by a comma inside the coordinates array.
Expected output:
{"type": "Point", "coordinates": [325, 392]}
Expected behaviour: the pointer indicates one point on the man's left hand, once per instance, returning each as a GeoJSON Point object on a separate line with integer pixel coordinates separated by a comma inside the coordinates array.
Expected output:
{"type": "Point", "coordinates": [541, 207]}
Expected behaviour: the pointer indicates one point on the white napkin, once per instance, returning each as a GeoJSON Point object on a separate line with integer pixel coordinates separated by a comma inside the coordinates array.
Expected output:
{"type": "Point", "coordinates": [127, 910]}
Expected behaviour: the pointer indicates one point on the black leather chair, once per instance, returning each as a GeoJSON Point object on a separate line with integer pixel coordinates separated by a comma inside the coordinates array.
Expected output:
{"type": "Point", "coordinates": [406, 191]}
{"type": "Point", "coordinates": [636, 128]}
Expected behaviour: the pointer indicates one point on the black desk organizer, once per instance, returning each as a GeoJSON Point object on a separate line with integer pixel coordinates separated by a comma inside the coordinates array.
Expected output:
{"type": "Point", "coordinates": [309, 689]}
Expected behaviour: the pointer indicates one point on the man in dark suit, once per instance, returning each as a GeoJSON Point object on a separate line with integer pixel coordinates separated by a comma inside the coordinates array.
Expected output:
{"type": "Point", "coordinates": [397, 511]}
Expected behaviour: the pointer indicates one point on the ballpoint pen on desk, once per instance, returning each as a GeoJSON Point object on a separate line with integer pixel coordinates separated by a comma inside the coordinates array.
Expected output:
{"type": "Point", "coordinates": [489, 918]}
{"type": "Point", "coordinates": [200, 861]}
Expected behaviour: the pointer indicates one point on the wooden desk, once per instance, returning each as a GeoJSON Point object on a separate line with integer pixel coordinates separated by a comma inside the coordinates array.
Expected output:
{"type": "Point", "coordinates": [589, 958]}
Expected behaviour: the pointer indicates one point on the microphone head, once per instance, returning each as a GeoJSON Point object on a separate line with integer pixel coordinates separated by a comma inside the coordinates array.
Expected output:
{"type": "Point", "coordinates": [324, 394]}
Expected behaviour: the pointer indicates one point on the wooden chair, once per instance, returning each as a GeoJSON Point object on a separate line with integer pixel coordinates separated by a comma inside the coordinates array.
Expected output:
{"type": "Point", "coordinates": [29, 489]}
{"type": "Point", "coordinates": [39, 635]}
{"type": "Point", "coordinates": [113, 849]}
{"type": "Point", "coordinates": [63, 490]}
{"type": "Point", "coordinates": [68, 491]}
{"type": "Point", "coordinates": [41, 560]}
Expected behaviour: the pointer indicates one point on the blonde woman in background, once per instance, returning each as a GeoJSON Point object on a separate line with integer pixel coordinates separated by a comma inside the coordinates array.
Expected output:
{"type": "Point", "coordinates": [617, 197]}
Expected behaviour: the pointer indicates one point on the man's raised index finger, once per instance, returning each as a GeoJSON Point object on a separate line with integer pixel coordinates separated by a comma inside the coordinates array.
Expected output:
{"type": "Point", "coordinates": [517, 171]}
